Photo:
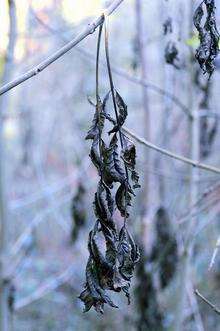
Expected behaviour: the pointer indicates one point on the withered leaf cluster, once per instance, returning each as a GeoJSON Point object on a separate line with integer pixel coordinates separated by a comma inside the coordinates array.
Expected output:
{"type": "Point", "coordinates": [110, 265]}
{"type": "Point", "coordinates": [208, 35]}
{"type": "Point", "coordinates": [164, 252]}
{"type": "Point", "coordinates": [112, 252]}
{"type": "Point", "coordinates": [171, 51]}
{"type": "Point", "coordinates": [150, 314]}
{"type": "Point", "coordinates": [159, 264]}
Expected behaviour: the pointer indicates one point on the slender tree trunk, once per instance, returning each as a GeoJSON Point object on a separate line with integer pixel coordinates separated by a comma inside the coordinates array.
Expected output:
{"type": "Point", "coordinates": [185, 268]}
{"type": "Point", "coordinates": [194, 153]}
{"type": "Point", "coordinates": [142, 56]}
{"type": "Point", "coordinates": [144, 278]}
{"type": "Point", "coordinates": [4, 220]}
{"type": "Point", "coordinates": [140, 33]}
{"type": "Point", "coordinates": [166, 10]}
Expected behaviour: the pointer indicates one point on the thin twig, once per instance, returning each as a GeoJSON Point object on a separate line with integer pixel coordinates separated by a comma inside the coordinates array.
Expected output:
{"type": "Point", "coordinates": [98, 109]}
{"type": "Point", "coordinates": [194, 306]}
{"type": "Point", "coordinates": [171, 154]}
{"type": "Point", "coordinates": [216, 309]}
{"type": "Point", "coordinates": [55, 56]}
{"type": "Point", "coordinates": [217, 246]}
{"type": "Point", "coordinates": [199, 206]}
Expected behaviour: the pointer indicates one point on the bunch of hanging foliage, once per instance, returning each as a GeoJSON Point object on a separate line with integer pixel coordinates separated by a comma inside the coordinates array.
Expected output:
{"type": "Point", "coordinates": [112, 252]}
{"type": "Point", "coordinates": [164, 252]}
{"type": "Point", "coordinates": [78, 211]}
{"type": "Point", "coordinates": [208, 36]}
{"type": "Point", "coordinates": [150, 316]}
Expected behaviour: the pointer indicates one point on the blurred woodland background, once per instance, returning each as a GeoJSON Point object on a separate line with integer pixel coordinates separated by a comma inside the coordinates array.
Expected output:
{"type": "Point", "coordinates": [47, 180]}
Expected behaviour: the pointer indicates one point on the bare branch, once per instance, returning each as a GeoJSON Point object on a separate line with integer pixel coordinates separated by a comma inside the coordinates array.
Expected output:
{"type": "Point", "coordinates": [117, 71]}
{"type": "Point", "coordinates": [44, 64]}
{"type": "Point", "coordinates": [212, 197]}
{"type": "Point", "coordinates": [171, 154]}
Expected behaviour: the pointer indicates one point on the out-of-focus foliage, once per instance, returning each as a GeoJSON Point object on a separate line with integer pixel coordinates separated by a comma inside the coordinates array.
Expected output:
{"type": "Point", "coordinates": [79, 213]}
{"type": "Point", "coordinates": [150, 316]}
{"type": "Point", "coordinates": [171, 54]}
{"type": "Point", "coordinates": [164, 252]}
{"type": "Point", "coordinates": [193, 41]}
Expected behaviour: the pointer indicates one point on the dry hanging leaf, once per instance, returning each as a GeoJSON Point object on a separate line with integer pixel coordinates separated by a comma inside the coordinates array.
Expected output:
{"type": "Point", "coordinates": [110, 265]}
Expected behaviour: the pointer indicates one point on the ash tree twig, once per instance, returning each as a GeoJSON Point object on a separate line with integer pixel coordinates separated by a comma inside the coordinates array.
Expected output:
{"type": "Point", "coordinates": [44, 64]}
{"type": "Point", "coordinates": [119, 72]}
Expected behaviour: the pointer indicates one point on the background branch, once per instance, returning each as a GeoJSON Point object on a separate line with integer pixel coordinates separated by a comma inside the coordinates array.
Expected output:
{"type": "Point", "coordinates": [171, 154]}
{"type": "Point", "coordinates": [217, 310]}
{"type": "Point", "coordinates": [48, 286]}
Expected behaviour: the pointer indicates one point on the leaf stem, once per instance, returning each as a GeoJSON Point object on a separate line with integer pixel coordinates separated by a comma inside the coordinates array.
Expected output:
{"type": "Point", "coordinates": [98, 109]}
{"type": "Point", "coordinates": [115, 106]}
{"type": "Point", "coordinates": [97, 62]}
